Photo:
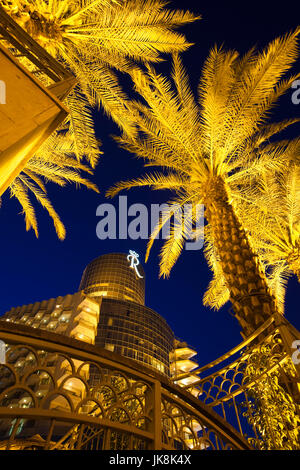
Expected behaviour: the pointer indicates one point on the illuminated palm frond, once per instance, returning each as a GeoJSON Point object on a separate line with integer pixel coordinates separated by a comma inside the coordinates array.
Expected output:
{"type": "Point", "coordinates": [80, 126]}
{"type": "Point", "coordinates": [19, 189]}
{"type": "Point", "coordinates": [274, 210]}
{"type": "Point", "coordinates": [217, 293]}
{"type": "Point", "coordinates": [154, 180]}
{"type": "Point", "coordinates": [54, 162]}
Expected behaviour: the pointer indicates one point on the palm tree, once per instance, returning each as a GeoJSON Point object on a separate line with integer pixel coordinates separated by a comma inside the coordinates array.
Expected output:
{"type": "Point", "coordinates": [95, 38]}
{"type": "Point", "coordinates": [206, 151]}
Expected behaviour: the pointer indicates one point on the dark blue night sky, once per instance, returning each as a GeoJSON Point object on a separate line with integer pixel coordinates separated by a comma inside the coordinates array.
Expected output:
{"type": "Point", "coordinates": [36, 269]}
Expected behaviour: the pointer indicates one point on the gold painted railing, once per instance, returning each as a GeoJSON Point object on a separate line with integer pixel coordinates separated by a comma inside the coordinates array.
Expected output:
{"type": "Point", "coordinates": [60, 393]}
{"type": "Point", "coordinates": [256, 386]}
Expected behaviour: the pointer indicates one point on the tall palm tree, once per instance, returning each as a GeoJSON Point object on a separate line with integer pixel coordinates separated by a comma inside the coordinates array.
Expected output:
{"type": "Point", "coordinates": [206, 152]}
{"type": "Point", "coordinates": [94, 39]}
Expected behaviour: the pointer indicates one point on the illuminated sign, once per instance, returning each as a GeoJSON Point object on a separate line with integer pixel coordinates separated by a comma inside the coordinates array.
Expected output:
{"type": "Point", "coordinates": [133, 258]}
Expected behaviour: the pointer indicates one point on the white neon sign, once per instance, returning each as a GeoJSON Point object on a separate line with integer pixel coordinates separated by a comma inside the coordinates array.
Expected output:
{"type": "Point", "coordinates": [133, 258]}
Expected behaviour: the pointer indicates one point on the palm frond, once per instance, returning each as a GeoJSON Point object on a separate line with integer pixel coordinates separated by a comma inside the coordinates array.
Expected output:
{"type": "Point", "coordinates": [217, 80]}
{"type": "Point", "coordinates": [155, 181]}
{"type": "Point", "coordinates": [80, 125]}
{"type": "Point", "coordinates": [42, 198]}
{"type": "Point", "coordinates": [54, 162]}
{"type": "Point", "coordinates": [172, 247]}
{"type": "Point", "coordinates": [258, 87]}
{"type": "Point", "coordinates": [20, 192]}
{"type": "Point", "coordinates": [277, 280]}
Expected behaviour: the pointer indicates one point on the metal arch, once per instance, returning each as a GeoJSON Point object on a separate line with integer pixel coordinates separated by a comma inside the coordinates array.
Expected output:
{"type": "Point", "coordinates": [150, 382]}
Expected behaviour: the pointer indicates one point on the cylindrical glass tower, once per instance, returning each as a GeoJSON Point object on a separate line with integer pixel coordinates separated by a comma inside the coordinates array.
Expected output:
{"type": "Point", "coordinates": [137, 332]}
{"type": "Point", "coordinates": [125, 325]}
{"type": "Point", "coordinates": [115, 276]}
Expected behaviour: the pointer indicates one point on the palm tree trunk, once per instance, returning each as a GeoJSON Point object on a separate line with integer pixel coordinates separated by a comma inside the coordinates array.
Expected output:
{"type": "Point", "coordinates": [251, 299]}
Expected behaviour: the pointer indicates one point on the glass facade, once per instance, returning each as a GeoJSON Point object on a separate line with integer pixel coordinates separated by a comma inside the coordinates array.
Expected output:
{"type": "Point", "coordinates": [112, 276]}
{"type": "Point", "coordinates": [135, 331]}
{"type": "Point", "coordinates": [109, 312]}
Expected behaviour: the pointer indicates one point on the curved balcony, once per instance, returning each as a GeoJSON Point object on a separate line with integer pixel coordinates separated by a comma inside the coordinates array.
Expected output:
{"type": "Point", "coordinates": [60, 393]}
{"type": "Point", "coordinates": [256, 386]}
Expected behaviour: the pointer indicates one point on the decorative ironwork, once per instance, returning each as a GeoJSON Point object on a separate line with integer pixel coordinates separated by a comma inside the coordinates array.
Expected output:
{"type": "Point", "coordinates": [256, 386]}
{"type": "Point", "coordinates": [60, 393]}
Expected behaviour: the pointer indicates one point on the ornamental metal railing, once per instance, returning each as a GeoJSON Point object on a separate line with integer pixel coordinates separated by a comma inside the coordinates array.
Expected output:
{"type": "Point", "coordinates": [60, 393]}
{"type": "Point", "coordinates": [256, 386]}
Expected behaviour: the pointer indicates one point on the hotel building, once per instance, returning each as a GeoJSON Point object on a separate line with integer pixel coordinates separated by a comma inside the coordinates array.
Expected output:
{"type": "Point", "coordinates": [109, 311]}
{"type": "Point", "coordinates": [99, 370]}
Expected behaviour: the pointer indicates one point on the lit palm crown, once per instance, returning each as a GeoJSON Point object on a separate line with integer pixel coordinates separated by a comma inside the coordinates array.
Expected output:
{"type": "Point", "coordinates": [209, 150]}
{"type": "Point", "coordinates": [90, 37]}
{"type": "Point", "coordinates": [93, 36]}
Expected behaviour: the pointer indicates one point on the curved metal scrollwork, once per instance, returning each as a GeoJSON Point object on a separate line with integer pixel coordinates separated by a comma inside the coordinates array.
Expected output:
{"type": "Point", "coordinates": [75, 396]}
{"type": "Point", "coordinates": [256, 387]}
